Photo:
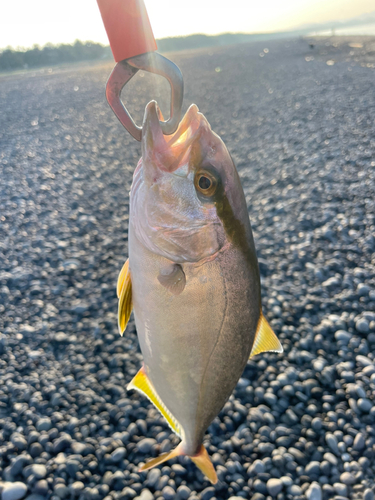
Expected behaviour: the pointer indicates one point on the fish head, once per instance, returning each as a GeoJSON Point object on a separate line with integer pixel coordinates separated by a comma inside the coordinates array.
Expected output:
{"type": "Point", "coordinates": [182, 189]}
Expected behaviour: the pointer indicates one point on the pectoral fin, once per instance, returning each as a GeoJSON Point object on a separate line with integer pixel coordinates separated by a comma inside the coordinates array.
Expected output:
{"type": "Point", "coordinates": [143, 384]}
{"type": "Point", "coordinates": [124, 291]}
{"type": "Point", "coordinates": [265, 339]}
{"type": "Point", "coordinates": [173, 279]}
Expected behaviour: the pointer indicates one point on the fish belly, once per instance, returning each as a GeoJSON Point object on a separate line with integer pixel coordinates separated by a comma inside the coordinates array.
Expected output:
{"type": "Point", "coordinates": [195, 345]}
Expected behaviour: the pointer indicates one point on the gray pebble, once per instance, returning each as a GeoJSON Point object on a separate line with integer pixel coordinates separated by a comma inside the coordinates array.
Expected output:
{"type": "Point", "coordinates": [314, 492]}
{"type": "Point", "coordinates": [312, 469]}
{"type": "Point", "coordinates": [153, 477]}
{"type": "Point", "coordinates": [146, 495]}
{"type": "Point", "coordinates": [274, 486]}
{"type": "Point", "coordinates": [331, 440]}
{"type": "Point", "coordinates": [76, 487]}
{"type": "Point", "coordinates": [207, 493]}
{"type": "Point", "coordinates": [364, 405]}
{"type": "Point", "coordinates": [14, 491]}
{"type": "Point", "coordinates": [38, 470]}
{"type": "Point", "coordinates": [256, 467]}
{"type": "Point", "coordinates": [347, 478]}
{"type": "Point", "coordinates": [145, 445]}
{"type": "Point", "coordinates": [359, 442]}
{"type": "Point", "coordinates": [118, 454]}
{"type": "Point", "coordinates": [362, 326]}
{"type": "Point", "coordinates": [343, 337]}
{"type": "Point", "coordinates": [43, 424]}
{"type": "Point", "coordinates": [183, 492]}
{"type": "Point", "coordinates": [341, 489]}
{"type": "Point", "coordinates": [368, 494]}
{"type": "Point", "coordinates": [168, 493]}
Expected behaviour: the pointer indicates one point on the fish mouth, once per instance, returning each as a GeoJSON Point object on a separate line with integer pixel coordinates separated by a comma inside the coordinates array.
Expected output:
{"type": "Point", "coordinates": [169, 152]}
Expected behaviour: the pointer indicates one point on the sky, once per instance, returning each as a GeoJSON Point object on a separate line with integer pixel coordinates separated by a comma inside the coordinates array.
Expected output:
{"type": "Point", "coordinates": [24, 23]}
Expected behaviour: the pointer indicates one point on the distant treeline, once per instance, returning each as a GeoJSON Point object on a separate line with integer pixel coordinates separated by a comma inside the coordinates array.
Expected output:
{"type": "Point", "coordinates": [50, 55]}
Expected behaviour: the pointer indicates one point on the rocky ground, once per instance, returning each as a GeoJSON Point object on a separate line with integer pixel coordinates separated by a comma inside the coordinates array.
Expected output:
{"type": "Point", "coordinates": [299, 425]}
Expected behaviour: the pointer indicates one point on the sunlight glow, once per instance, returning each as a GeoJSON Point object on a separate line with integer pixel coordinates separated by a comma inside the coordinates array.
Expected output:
{"type": "Point", "coordinates": [25, 22]}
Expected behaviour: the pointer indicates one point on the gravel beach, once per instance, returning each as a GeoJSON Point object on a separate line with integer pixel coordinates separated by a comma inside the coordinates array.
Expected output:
{"type": "Point", "coordinates": [299, 123]}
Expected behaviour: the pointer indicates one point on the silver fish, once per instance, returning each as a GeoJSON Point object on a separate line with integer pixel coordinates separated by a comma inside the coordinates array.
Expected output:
{"type": "Point", "coordinates": [192, 279]}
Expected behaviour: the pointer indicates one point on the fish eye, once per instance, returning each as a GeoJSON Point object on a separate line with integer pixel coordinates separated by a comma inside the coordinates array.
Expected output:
{"type": "Point", "coordinates": [205, 182]}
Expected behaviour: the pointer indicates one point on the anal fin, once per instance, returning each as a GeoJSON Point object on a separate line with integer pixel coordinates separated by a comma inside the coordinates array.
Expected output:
{"type": "Point", "coordinates": [265, 339]}
{"type": "Point", "coordinates": [143, 384]}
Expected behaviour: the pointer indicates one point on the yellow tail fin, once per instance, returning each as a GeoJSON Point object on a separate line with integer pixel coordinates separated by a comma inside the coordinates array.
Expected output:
{"type": "Point", "coordinates": [201, 460]}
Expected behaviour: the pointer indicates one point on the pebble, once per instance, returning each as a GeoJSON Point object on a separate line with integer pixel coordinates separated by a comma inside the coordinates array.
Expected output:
{"type": "Point", "coordinates": [43, 424]}
{"type": "Point", "coordinates": [153, 477]}
{"type": "Point", "coordinates": [302, 420]}
{"type": "Point", "coordinates": [341, 489]}
{"type": "Point", "coordinates": [368, 494]}
{"type": "Point", "coordinates": [359, 442]}
{"type": "Point", "coordinates": [207, 493]}
{"type": "Point", "coordinates": [331, 440]}
{"type": "Point", "coordinates": [37, 470]}
{"type": "Point", "coordinates": [314, 492]}
{"type": "Point", "coordinates": [118, 454]}
{"type": "Point", "coordinates": [145, 445]}
{"type": "Point", "coordinates": [183, 492]}
{"type": "Point", "coordinates": [14, 491]}
{"type": "Point", "coordinates": [274, 486]}
{"type": "Point", "coordinates": [347, 478]}
{"type": "Point", "coordinates": [146, 495]}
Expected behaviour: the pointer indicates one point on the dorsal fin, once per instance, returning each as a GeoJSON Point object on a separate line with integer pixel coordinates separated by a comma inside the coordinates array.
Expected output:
{"type": "Point", "coordinates": [143, 384]}
{"type": "Point", "coordinates": [265, 339]}
{"type": "Point", "coordinates": [124, 291]}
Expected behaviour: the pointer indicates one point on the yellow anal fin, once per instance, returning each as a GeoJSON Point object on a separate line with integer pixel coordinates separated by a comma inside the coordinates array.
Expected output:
{"type": "Point", "coordinates": [121, 277]}
{"type": "Point", "coordinates": [265, 339]}
{"type": "Point", "coordinates": [125, 306]}
{"type": "Point", "coordinates": [142, 384]}
{"type": "Point", "coordinates": [201, 460]}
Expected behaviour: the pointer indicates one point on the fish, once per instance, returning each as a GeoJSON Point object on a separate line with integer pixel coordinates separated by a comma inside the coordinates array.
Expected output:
{"type": "Point", "coordinates": [191, 278]}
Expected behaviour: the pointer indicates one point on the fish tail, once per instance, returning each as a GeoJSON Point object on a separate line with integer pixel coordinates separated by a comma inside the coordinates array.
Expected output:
{"type": "Point", "coordinates": [201, 460]}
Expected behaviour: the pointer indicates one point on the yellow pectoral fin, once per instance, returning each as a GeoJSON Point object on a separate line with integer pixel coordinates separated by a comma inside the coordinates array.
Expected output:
{"type": "Point", "coordinates": [121, 277]}
{"type": "Point", "coordinates": [142, 384]}
{"type": "Point", "coordinates": [265, 339]}
{"type": "Point", "coordinates": [125, 305]}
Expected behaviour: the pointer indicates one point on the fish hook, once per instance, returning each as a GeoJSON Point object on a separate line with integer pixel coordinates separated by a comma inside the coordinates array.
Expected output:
{"type": "Point", "coordinates": [133, 46]}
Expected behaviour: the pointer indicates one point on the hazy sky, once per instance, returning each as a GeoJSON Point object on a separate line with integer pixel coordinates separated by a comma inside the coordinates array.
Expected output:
{"type": "Point", "coordinates": [26, 22]}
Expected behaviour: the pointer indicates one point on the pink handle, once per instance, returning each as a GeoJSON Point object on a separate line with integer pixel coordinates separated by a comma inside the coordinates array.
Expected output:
{"type": "Point", "coordinates": [128, 28]}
